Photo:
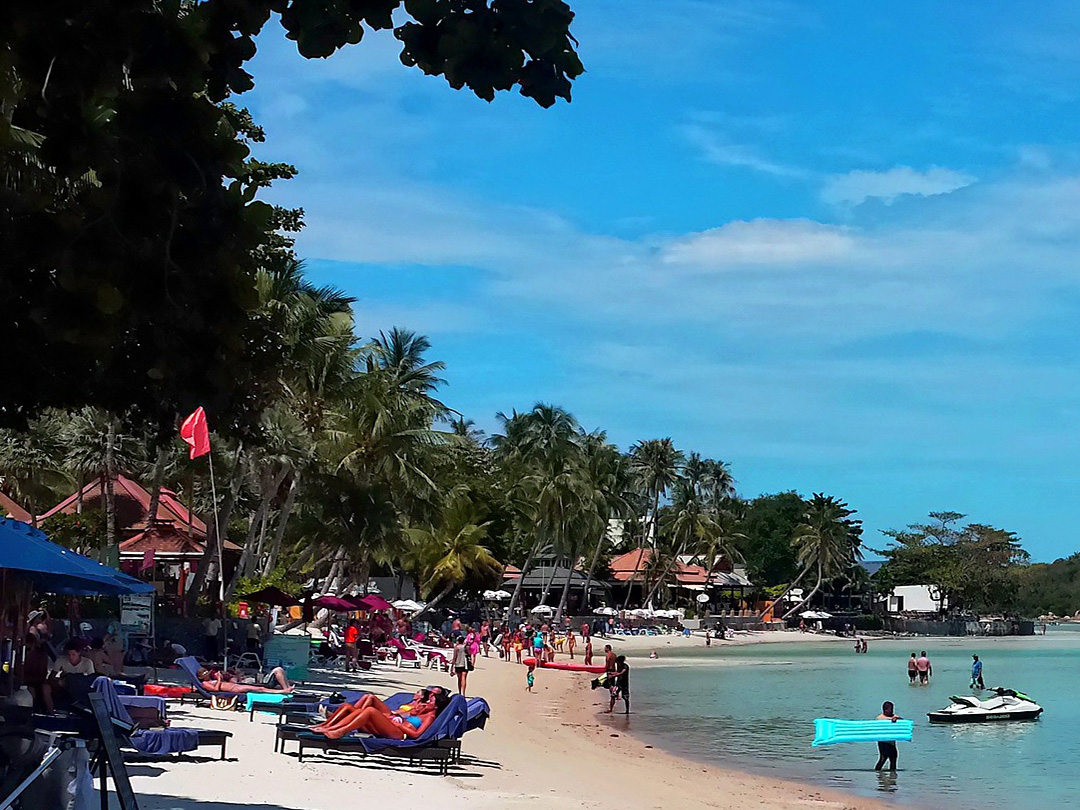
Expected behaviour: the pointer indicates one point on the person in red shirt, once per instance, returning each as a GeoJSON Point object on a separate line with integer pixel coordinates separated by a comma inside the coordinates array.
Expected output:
{"type": "Point", "coordinates": [352, 635]}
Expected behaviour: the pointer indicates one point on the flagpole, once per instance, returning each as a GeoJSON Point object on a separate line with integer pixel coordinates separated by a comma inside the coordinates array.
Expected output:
{"type": "Point", "coordinates": [221, 568]}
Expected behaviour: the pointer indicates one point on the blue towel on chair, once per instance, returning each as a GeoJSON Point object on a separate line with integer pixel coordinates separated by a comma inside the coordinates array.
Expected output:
{"type": "Point", "coordinates": [167, 741]}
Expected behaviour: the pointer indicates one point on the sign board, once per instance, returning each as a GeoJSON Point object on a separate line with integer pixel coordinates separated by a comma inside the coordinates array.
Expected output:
{"type": "Point", "coordinates": [291, 653]}
{"type": "Point", "coordinates": [110, 756]}
{"type": "Point", "coordinates": [137, 614]}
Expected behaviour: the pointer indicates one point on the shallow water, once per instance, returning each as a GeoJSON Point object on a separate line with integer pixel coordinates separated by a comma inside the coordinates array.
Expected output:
{"type": "Point", "coordinates": [753, 707]}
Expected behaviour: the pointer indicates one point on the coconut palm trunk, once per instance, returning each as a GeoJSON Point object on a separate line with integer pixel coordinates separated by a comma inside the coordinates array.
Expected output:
{"type": "Point", "coordinates": [110, 484]}
{"type": "Point", "coordinates": [787, 590]}
{"type": "Point", "coordinates": [641, 545]}
{"type": "Point", "coordinates": [212, 539]}
{"type": "Point", "coordinates": [158, 481]}
{"type": "Point", "coordinates": [516, 596]}
{"type": "Point", "coordinates": [806, 599]}
{"type": "Point", "coordinates": [283, 520]}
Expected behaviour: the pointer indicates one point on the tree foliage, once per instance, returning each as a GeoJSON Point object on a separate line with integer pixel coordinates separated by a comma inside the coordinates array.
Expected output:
{"type": "Point", "coordinates": [132, 227]}
{"type": "Point", "coordinates": [974, 567]}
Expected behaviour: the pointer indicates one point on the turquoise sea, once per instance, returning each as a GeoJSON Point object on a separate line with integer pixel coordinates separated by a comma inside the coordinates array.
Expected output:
{"type": "Point", "coordinates": [753, 707]}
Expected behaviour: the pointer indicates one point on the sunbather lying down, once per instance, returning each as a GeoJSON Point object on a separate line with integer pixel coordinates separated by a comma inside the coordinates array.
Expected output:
{"type": "Point", "coordinates": [372, 716]}
{"type": "Point", "coordinates": [215, 680]}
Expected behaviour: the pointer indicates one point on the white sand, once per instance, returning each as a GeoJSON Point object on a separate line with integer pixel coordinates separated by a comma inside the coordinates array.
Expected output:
{"type": "Point", "coordinates": [548, 748]}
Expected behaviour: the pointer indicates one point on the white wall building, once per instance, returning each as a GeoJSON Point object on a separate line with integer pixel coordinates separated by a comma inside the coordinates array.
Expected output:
{"type": "Point", "coordinates": [915, 599]}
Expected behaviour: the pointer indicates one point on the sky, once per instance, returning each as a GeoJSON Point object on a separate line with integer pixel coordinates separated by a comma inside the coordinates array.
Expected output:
{"type": "Point", "coordinates": [834, 245]}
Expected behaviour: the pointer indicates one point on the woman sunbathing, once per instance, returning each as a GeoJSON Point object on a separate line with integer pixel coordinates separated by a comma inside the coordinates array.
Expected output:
{"type": "Point", "coordinates": [214, 680]}
{"type": "Point", "coordinates": [371, 715]}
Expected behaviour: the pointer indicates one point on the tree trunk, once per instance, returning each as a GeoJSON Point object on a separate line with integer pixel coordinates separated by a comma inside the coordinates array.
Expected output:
{"type": "Point", "coordinates": [787, 590]}
{"type": "Point", "coordinates": [806, 599]}
{"type": "Point", "coordinates": [524, 570]}
{"type": "Point", "coordinates": [592, 564]}
{"type": "Point", "coordinates": [664, 574]}
{"type": "Point", "coordinates": [565, 594]}
{"type": "Point", "coordinates": [223, 515]}
{"type": "Point", "coordinates": [547, 585]}
{"type": "Point", "coordinates": [157, 483]}
{"type": "Point", "coordinates": [641, 545]}
{"type": "Point", "coordinates": [430, 606]}
{"type": "Point", "coordinates": [335, 570]}
{"type": "Point", "coordinates": [283, 519]}
{"type": "Point", "coordinates": [110, 484]}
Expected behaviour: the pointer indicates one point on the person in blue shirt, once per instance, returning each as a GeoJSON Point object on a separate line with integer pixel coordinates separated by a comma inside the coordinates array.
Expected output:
{"type": "Point", "coordinates": [976, 673]}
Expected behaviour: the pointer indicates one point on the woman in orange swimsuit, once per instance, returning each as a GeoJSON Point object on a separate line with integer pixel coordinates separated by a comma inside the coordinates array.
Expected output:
{"type": "Point", "coordinates": [371, 715]}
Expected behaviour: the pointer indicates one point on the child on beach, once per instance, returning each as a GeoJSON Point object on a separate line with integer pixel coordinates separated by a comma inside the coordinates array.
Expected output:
{"type": "Point", "coordinates": [530, 678]}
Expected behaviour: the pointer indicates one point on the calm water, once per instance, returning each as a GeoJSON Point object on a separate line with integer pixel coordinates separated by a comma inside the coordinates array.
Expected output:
{"type": "Point", "coordinates": [754, 707]}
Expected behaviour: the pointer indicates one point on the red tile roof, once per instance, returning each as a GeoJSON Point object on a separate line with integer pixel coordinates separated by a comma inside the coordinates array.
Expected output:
{"type": "Point", "coordinates": [624, 566]}
{"type": "Point", "coordinates": [132, 505]}
{"type": "Point", "coordinates": [163, 539]}
{"type": "Point", "coordinates": [13, 510]}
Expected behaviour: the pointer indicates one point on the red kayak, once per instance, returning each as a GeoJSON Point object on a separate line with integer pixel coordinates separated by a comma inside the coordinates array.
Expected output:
{"type": "Point", "coordinates": [531, 662]}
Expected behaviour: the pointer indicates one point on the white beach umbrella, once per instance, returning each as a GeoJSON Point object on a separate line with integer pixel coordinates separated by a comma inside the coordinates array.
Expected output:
{"type": "Point", "coordinates": [606, 611]}
{"type": "Point", "coordinates": [490, 595]}
{"type": "Point", "coordinates": [545, 610]}
{"type": "Point", "coordinates": [500, 595]}
{"type": "Point", "coordinates": [642, 613]}
{"type": "Point", "coordinates": [407, 605]}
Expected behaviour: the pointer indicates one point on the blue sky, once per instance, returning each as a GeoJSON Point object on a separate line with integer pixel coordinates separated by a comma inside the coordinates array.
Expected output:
{"type": "Point", "coordinates": [832, 244]}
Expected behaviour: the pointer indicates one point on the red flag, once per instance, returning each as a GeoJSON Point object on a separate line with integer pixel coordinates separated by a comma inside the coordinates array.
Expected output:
{"type": "Point", "coordinates": [195, 432]}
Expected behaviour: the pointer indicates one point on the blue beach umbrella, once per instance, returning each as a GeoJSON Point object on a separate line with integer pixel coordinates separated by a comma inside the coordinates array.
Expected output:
{"type": "Point", "coordinates": [26, 552]}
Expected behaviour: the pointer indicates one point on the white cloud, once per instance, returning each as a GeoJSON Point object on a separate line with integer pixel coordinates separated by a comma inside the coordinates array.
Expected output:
{"type": "Point", "coordinates": [762, 242]}
{"type": "Point", "coordinates": [715, 149]}
{"type": "Point", "coordinates": [858, 186]}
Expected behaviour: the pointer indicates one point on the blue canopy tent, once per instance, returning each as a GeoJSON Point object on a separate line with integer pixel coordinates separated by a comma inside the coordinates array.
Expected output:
{"type": "Point", "coordinates": [28, 555]}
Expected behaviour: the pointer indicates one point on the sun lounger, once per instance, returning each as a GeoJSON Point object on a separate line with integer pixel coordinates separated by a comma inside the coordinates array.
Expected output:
{"type": "Point", "coordinates": [449, 726]}
{"type": "Point", "coordinates": [159, 741]}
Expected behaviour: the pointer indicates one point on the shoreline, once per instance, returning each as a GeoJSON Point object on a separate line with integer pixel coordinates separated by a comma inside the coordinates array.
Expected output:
{"type": "Point", "coordinates": [552, 747]}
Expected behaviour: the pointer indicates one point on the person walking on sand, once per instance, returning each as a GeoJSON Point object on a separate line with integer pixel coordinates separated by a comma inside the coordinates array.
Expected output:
{"type": "Point", "coordinates": [588, 651]}
{"type": "Point", "coordinates": [912, 668]}
{"type": "Point", "coordinates": [530, 678]}
{"type": "Point", "coordinates": [887, 750]}
{"type": "Point", "coordinates": [976, 673]}
{"type": "Point", "coordinates": [708, 638]}
{"type": "Point", "coordinates": [460, 663]}
{"type": "Point", "coordinates": [570, 643]}
{"type": "Point", "coordinates": [922, 664]}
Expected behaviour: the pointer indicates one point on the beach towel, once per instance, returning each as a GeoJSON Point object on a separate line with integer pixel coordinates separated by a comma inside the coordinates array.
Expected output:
{"type": "Point", "coordinates": [167, 741]}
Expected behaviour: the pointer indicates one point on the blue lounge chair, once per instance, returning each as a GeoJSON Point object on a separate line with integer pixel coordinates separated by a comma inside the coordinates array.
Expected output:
{"type": "Point", "coordinates": [448, 727]}
{"type": "Point", "coordinates": [160, 741]}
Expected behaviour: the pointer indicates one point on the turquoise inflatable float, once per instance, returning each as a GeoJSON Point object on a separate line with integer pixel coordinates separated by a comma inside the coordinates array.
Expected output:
{"type": "Point", "coordinates": [828, 731]}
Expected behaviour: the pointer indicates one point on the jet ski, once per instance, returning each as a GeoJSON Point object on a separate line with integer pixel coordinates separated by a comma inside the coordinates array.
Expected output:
{"type": "Point", "coordinates": [1007, 704]}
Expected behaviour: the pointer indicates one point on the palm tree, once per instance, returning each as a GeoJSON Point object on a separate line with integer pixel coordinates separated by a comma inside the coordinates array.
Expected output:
{"type": "Point", "coordinates": [540, 452]}
{"type": "Point", "coordinates": [608, 496]}
{"type": "Point", "coordinates": [451, 552]}
{"type": "Point", "coordinates": [828, 542]}
{"type": "Point", "coordinates": [656, 464]}
{"type": "Point", "coordinates": [32, 468]}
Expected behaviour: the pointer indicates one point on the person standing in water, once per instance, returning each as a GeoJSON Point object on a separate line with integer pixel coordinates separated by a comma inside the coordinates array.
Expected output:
{"type": "Point", "coordinates": [976, 673]}
{"type": "Point", "coordinates": [922, 664]}
{"type": "Point", "coordinates": [887, 750]}
{"type": "Point", "coordinates": [620, 686]}
{"type": "Point", "coordinates": [912, 668]}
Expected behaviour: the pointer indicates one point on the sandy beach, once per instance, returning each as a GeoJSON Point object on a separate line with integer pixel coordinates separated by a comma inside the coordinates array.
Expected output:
{"type": "Point", "coordinates": [552, 749]}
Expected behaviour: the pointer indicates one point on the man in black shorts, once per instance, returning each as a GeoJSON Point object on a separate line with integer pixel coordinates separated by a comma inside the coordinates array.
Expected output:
{"type": "Point", "coordinates": [620, 686]}
{"type": "Point", "coordinates": [887, 750]}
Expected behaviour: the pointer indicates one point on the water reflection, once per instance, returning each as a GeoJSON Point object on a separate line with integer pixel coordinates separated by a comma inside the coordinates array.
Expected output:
{"type": "Point", "coordinates": [886, 781]}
